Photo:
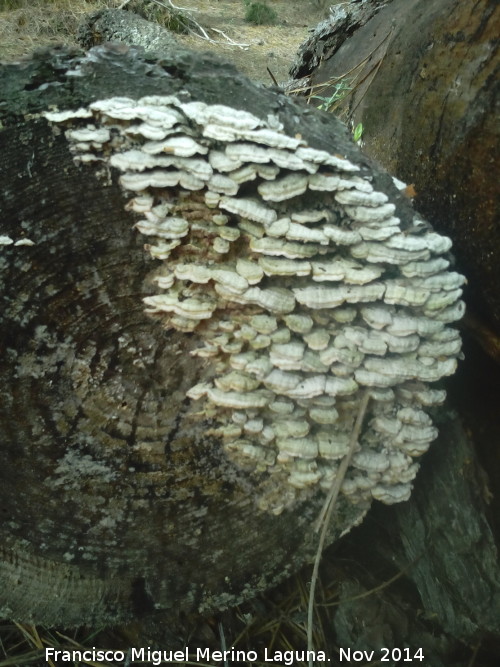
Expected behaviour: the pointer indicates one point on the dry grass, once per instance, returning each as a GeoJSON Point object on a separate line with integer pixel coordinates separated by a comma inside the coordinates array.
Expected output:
{"type": "Point", "coordinates": [24, 644]}
{"type": "Point", "coordinates": [276, 622]}
{"type": "Point", "coordinates": [28, 24]}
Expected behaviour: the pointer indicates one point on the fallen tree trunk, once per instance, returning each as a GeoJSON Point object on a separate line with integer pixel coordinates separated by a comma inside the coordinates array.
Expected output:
{"type": "Point", "coordinates": [425, 86]}
{"type": "Point", "coordinates": [442, 543]}
{"type": "Point", "coordinates": [329, 35]}
{"type": "Point", "coordinates": [174, 412]}
{"type": "Point", "coordinates": [118, 25]}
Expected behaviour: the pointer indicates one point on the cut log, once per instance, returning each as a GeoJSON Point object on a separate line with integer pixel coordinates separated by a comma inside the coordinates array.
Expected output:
{"type": "Point", "coordinates": [193, 309]}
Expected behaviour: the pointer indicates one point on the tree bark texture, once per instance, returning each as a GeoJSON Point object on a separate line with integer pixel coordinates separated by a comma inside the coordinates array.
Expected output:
{"type": "Point", "coordinates": [329, 35]}
{"type": "Point", "coordinates": [118, 25]}
{"type": "Point", "coordinates": [442, 542]}
{"type": "Point", "coordinates": [425, 85]}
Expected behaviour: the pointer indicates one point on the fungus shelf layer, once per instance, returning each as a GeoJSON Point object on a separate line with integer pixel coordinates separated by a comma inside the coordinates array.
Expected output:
{"type": "Point", "coordinates": [194, 298]}
{"type": "Point", "coordinates": [310, 241]}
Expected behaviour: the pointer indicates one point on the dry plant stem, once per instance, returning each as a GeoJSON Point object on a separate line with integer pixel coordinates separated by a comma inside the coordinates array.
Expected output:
{"type": "Point", "coordinates": [371, 72]}
{"type": "Point", "coordinates": [202, 33]}
{"type": "Point", "coordinates": [179, 9]}
{"type": "Point", "coordinates": [326, 513]}
{"type": "Point", "coordinates": [374, 69]}
{"type": "Point", "coordinates": [473, 657]}
{"type": "Point", "coordinates": [324, 85]}
{"type": "Point", "coordinates": [32, 637]}
{"type": "Point", "coordinates": [223, 642]}
{"type": "Point", "coordinates": [230, 41]}
{"type": "Point", "coordinates": [273, 78]}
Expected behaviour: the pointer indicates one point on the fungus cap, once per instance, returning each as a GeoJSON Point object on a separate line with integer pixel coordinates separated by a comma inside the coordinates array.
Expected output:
{"type": "Point", "coordinates": [303, 291]}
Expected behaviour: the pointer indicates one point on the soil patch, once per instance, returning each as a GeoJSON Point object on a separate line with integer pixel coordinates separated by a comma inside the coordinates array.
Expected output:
{"type": "Point", "coordinates": [267, 46]}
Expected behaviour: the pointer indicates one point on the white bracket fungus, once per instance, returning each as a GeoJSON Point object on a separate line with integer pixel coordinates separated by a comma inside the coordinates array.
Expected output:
{"type": "Point", "coordinates": [302, 292]}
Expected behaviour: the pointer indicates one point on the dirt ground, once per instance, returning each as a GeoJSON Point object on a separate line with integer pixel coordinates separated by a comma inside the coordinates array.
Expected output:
{"type": "Point", "coordinates": [27, 24]}
{"type": "Point", "coordinates": [266, 46]}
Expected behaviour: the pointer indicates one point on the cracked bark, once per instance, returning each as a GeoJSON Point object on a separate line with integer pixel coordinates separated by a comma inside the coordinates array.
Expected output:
{"type": "Point", "coordinates": [429, 106]}
{"type": "Point", "coordinates": [118, 25]}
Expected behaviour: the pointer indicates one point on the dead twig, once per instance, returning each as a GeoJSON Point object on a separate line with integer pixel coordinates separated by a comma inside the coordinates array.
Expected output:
{"type": "Point", "coordinates": [177, 9]}
{"type": "Point", "coordinates": [273, 78]}
{"type": "Point", "coordinates": [192, 26]}
{"type": "Point", "coordinates": [326, 512]}
{"type": "Point", "coordinates": [228, 39]}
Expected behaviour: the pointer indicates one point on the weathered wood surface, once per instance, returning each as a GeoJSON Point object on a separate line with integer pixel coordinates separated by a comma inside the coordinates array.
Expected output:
{"type": "Point", "coordinates": [118, 25]}
{"type": "Point", "coordinates": [443, 546]}
{"type": "Point", "coordinates": [116, 501]}
{"type": "Point", "coordinates": [427, 89]}
{"type": "Point", "coordinates": [329, 35]}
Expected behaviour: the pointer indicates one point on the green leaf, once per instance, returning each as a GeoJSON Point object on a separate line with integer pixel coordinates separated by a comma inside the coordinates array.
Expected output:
{"type": "Point", "coordinates": [357, 133]}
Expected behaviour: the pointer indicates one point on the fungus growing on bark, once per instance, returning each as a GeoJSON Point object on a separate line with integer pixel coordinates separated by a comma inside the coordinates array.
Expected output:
{"type": "Point", "coordinates": [287, 283]}
{"type": "Point", "coordinates": [393, 275]}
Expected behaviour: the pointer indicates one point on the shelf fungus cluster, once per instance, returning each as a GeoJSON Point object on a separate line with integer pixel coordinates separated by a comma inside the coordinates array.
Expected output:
{"type": "Point", "coordinates": [299, 280]}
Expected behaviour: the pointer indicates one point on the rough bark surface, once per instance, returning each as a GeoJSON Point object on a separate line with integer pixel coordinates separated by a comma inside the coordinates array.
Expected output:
{"type": "Point", "coordinates": [330, 34]}
{"type": "Point", "coordinates": [443, 542]}
{"type": "Point", "coordinates": [426, 88]}
{"type": "Point", "coordinates": [444, 529]}
{"type": "Point", "coordinates": [115, 500]}
{"type": "Point", "coordinates": [118, 25]}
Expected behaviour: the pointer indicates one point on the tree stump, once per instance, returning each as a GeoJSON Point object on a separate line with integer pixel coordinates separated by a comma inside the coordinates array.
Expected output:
{"type": "Point", "coordinates": [183, 366]}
